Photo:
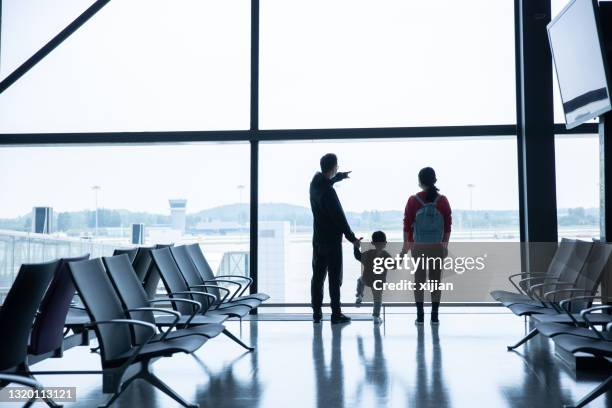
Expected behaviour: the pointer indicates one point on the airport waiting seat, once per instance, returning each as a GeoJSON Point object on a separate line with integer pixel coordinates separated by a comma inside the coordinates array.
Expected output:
{"type": "Point", "coordinates": [566, 278]}
{"type": "Point", "coordinates": [203, 267]}
{"type": "Point", "coordinates": [177, 287]}
{"type": "Point", "coordinates": [527, 279]}
{"type": "Point", "coordinates": [134, 301]}
{"type": "Point", "coordinates": [48, 330]}
{"type": "Point", "coordinates": [600, 319]}
{"type": "Point", "coordinates": [17, 314]}
{"type": "Point", "coordinates": [142, 262]}
{"type": "Point", "coordinates": [573, 299]}
{"type": "Point", "coordinates": [582, 282]}
{"type": "Point", "coordinates": [599, 345]}
{"type": "Point", "coordinates": [196, 282]}
{"type": "Point", "coordinates": [122, 361]}
{"type": "Point", "coordinates": [130, 252]}
{"type": "Point", "coordinates": [148, 270]}
{"type": "Point", "coordinates": [580, 325]}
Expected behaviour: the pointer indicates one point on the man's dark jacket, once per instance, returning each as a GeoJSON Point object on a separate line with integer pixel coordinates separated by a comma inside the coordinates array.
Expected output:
{"type": "Point", "coordinates": [329, 222]}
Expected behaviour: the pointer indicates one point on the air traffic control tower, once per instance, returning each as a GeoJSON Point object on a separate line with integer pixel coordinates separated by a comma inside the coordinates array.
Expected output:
{"type": "Point", "coordinates": [178, 208]}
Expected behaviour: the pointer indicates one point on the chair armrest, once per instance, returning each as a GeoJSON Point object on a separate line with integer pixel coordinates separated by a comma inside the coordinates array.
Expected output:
{"type": "Point", "coordinates": [590, 310]}
{"type": "Point", "coordinates": [542, 285]}
{"type": "Point", "coordinates": [176, 315]}
{"type": "Point", "coordinates": [18, 379]}
{"type": "Point", "coordinates": [196, 310]}
{"type": "Point", "coordinates": [132, 322]}
{"type": "Point", "coordinates": [548, 295]}
{"type": "Point", "coordinates": [525, 282]}
{"type": "Point", "coordinates": [192, 292]}
{"type": "Point", "coordinates": [517, 287]}
{"type": "Point", "coordinates": [235, 276]}
{"type": "Point", "coordinates": [564, 302]}
{"type": "Point", "coordinates": [226, 281]}
{"type": "Point", "coordinates": [124, 321]}
{"type": "Point", "coordinates": [227, 291]}
{"type": "Point", "coordinates": [569, 300]}
{"type": "Point", "coordinates": [247, 285]}
{"type": "Point", "coordinates": [530, 275]}
{"type": "Point", "coordinates": [609, 327]}
{"type": "Point", "coordinates": [530, 278]}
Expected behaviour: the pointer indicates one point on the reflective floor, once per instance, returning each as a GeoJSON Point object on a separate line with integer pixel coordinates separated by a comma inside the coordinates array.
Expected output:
{"type": "Point", "coordinates": [463, 363]}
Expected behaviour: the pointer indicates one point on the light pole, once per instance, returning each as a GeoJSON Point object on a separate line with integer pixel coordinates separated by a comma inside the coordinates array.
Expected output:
{"type": "Point", "coordinates": [240, 188]}
{"type": "Point", "coordinates": [471, 186]}
{"type": "Point", "coordinates": [95, 190]}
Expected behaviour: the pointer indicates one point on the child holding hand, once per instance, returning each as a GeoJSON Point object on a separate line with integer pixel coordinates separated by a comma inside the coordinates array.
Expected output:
{"type": "Point", "coordinates": [368, 277]}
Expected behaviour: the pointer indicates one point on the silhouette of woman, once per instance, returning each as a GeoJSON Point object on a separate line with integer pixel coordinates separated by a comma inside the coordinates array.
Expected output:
{"type": "Point", "coordinates": [427, 228]}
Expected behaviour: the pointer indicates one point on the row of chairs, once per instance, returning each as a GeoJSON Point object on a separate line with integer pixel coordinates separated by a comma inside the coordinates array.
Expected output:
{"type": "Point", "coordinates": [560, 303]}
{"type": "Point", "coordinates": [117, 306]}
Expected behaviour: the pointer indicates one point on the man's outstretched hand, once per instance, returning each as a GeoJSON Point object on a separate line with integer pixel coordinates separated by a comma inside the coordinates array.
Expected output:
{"type": "Point", "coordinates": [341, 176]}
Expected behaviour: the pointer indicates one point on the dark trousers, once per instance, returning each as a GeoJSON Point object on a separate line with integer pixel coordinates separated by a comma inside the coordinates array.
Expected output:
{"type": "Point", "coordinates": [326, 263]}
{"type": "Point", "coordinates": [433, 269]}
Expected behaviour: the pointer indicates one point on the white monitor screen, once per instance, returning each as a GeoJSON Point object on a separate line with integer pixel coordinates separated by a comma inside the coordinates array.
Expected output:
{"type": "Point", "coordinates": [579, 62]}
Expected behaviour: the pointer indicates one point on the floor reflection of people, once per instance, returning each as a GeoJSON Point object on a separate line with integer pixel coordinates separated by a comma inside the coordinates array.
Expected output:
{"type": "Point", "coordinates": [223, 386]}
{"type": "Point", "coordinates": [375, 368]}
{"type": "Point", "coordinates": [430, 388]}
{"type": "Point", "coordinates": [329, 380]}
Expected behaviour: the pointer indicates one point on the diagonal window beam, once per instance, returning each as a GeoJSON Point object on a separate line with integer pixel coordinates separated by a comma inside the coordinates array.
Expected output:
{"type": "Point", "coordinates": [52, 44]}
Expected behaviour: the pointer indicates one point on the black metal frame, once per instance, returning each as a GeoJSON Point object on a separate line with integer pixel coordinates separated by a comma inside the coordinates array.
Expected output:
{"type": "Point", "coordinates": [535, 131]}
{"type": "Point", "coordinates": [254, 134]}
{"type": "Point", "coordinates": [52, 44]}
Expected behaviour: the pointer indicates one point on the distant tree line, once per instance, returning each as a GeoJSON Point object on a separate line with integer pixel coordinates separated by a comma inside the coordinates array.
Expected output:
{"type": "Point", "coordinates": [300, 217]}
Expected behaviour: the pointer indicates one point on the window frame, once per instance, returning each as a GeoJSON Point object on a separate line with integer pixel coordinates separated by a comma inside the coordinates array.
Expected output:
{"type": "Point", "coordinates": [254, 135]}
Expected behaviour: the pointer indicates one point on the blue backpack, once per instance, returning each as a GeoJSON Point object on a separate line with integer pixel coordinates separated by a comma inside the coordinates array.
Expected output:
{"type": "Point", "coordinates": [428, 226]}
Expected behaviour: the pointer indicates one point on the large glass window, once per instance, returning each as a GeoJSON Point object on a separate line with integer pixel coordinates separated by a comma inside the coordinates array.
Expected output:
{"type": "Point", "coordinates": [94, 194]}
{"type": "Point", "coordinates": [577, 170]}
{"type": "Point", "coordinates": [137, 65]}
{"type": "Point", "coordinates": [29, 24]}
{"type": "Point", "coordinates": [478, 175]}
{"type": "Point", "coordinates": [363, 63]}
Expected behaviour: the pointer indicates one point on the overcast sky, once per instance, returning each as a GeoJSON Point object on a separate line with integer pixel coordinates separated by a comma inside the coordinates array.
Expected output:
{"type": "Point", "coordinates": [167, 65]}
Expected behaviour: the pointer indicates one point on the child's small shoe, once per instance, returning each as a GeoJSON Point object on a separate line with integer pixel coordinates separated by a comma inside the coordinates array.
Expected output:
{"type": "Point", "coordinates": [377, 320]}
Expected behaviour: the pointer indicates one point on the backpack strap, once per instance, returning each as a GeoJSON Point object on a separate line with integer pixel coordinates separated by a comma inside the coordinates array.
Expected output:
{"type": "Point", "coordinates": [435, 201]}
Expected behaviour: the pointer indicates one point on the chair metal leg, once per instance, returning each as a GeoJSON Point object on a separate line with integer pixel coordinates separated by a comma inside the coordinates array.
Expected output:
{"type": "Point", "coordinates": [116, 395]}
{"type": "Point", "coordinates": [30, 402]}
{"type": "Point", "coordinates": [28, 373]}
{"type": "Point", "coordinates": [600, 389]}
{"type": "Point", "coordinates": [47, 401]}
{"type": "Point", "coordinates": [51, 403]}
{"type": "Point", "coordinates": [151, 378]}
{"type": "Point", "coordinates": [525, 339]}
{"type": "Point", "coordinates": [110, 400]}
{"type": "Point", "coordinates": [237, 340]}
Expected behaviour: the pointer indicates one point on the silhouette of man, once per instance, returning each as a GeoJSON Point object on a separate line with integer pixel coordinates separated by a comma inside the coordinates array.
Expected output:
{"type": "Point", "coordinates": [328, 227]}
